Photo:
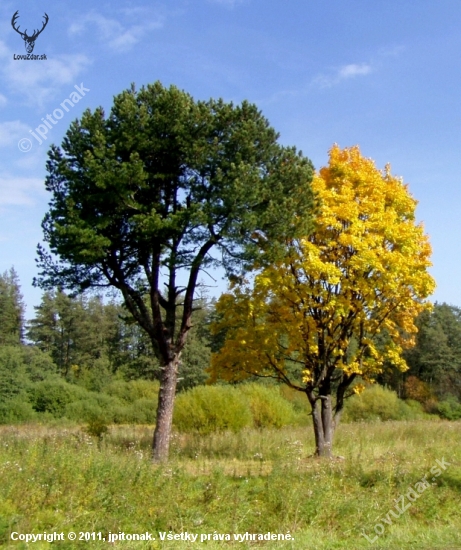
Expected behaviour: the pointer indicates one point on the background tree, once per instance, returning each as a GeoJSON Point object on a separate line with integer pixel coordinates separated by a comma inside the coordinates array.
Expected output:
{"type": "Point", "coordinates": [144, 195]}
{"type": "Point", "coordinates": [195, 359]}
{"type": "Point", "coordinates": [59, 329]}
{"type": "Point", "coordinates": [11, 309]}
{"type": "Point", "coordinates": [436, 358]}
{"type": "Point", "coordinates": [313, 320]}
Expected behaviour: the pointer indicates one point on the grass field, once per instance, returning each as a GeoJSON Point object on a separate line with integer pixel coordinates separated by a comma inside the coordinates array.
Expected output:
{"type": "Point", "coordinates": [59, 479]}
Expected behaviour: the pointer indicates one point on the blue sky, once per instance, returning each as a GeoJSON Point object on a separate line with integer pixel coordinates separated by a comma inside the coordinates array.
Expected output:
{"type": "Point", "coordinates": [383, 74]}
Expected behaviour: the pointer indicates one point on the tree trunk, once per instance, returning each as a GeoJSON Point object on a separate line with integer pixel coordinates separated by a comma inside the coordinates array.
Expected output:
{"type": "Point", "coordinates": [327, 424]}
{"type": "Point", "coordinates": [322, 418]}
{"type": "Point", "coordinates": [162, 432]}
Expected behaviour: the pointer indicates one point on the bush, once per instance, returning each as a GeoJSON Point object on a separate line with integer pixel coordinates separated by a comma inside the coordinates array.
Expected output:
{"type": "Point", "coordinates": [13, 377]}
{"type": "Point", "coordinates": [142, 411]}
{"type": "Point", "coordinates": [133, 390]}
{"type": "Point", "coordinates": [16, 410]}
{"type": "Point", "coordinates": [411, 409]}
{"type": "Point", "coordinates": [96, 428]}
{"type": "Point", "coordinates": [301, 406]}
{"type": "Point", "coordinates": [378, 403]}
{"type": "Point", "coordinates": [417, 390]}
{"type": "Point", "coordinates": [37, 363]}
{"type": "Point", "coordinates": [449, 409]}
{"type": "Point", "coordinates": [54, 395]}
{"type": "Point", "coordinates": [95, 406]}
{"type": "Point", "coordinates": [268, 408]}
{"type": "Point", "coordinates": [205, 409]}
{"type": "Point", "coordinates": [87, 410]}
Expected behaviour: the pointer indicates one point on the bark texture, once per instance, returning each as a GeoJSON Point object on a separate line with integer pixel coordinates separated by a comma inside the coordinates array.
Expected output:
{"type": "Point", "coordinates": [164, 422]}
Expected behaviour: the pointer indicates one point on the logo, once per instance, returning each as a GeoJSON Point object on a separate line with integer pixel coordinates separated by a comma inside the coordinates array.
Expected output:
{"type": "Point", "coordinates": [29, 41]}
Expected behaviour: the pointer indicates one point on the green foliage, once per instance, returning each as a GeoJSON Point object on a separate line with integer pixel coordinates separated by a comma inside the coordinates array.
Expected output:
{"type": "Point", "coordinates": [195, 358]}
{"type": "Point", "coordinates": [141, 411]}
{"type": "Point", "coordinates": [436, 358]}
{"type": "Point", "coordinates": [11, 309]}
{"type": "Point", "coordinates": [146, 193]}
{"type": "Point", "coordinates": [133, 390]}
{"type": "Point", "coordinates": [54, 395]}
{"type": "Point", "coordinates": [97, 428]}
{"type": "Point", "coordinates": [20, 366]}
{"type": "Point", "coordinates": [268, 408]}
{"type": "Point", "coordinates": [300, 404]}
{"type": "Point", "coordinates": [82, 335]}
{"type": "Point", "coordinates": [15, 410]}
{"type": "Point", "coordinates": [205, 409]}
{"type": "Point", "coordinates": [378, 403]}
{"type": "Point", "coordinates": [450, 409]}
{"type": "Point", "coordinates": [13, 376]}
{"type": "Point", "coordinates": [87, 410]}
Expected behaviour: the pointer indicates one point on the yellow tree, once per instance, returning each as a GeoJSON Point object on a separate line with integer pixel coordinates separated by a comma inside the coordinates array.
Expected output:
{"type": "Point", "coordinates": [313, 320]}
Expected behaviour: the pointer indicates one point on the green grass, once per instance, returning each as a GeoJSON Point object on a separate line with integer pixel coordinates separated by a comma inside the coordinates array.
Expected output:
{"type": "Point", "coordinates": [61, 479]}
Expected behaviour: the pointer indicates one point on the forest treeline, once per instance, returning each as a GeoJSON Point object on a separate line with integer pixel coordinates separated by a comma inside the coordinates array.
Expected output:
{"type": "Point", "coordinates": [87, 344]}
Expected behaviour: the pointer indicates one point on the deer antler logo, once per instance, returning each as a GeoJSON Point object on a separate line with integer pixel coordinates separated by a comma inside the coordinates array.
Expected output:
{"type": "Point", "coordinates": [29, 41]}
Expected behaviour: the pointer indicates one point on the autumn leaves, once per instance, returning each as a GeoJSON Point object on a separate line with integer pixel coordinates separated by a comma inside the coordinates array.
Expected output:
{"type": "Point", "coordinates": [342, 303]}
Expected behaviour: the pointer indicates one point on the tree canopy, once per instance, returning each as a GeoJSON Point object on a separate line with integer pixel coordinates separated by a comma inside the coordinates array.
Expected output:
{"type": "Point", "coordinates": [141, 197]}
{"type": "Point", "coordinates": [11, 309]}
{"type": "Point", "coordinates": [313, 319]}
{"type": "Point", "coordinates": [436, 358]}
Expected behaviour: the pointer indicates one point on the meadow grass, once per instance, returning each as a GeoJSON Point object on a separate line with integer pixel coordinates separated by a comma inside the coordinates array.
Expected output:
{"type": "Point", "coordinates": [61, 479]}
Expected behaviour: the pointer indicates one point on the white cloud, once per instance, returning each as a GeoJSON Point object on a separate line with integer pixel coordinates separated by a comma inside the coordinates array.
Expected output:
{"type": "Point", "coordinates": [11, 132]}
{"type": "Point", "coordinates": [43, 79]}
{"type": "Point", "coordinates": [117, 36]}
{"type": "Point", "coordinates": [19, 191]}
{"type": "Point", "coordinates": [3, 100]}
{"type": "Point", "coordinates": [343, 73]}
{"type": "Point", "coordinates": [349, 71]}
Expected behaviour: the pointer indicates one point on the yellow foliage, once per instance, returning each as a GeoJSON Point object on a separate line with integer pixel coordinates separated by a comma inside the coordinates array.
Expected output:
{"type": "Point", "coordinates": [361, 273]}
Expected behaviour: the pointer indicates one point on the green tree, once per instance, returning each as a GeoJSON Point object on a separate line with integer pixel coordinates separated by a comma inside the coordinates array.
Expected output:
{"type": "Point", "coordinates": [11, 309]}
{"type": "Point", "coordinates": [436, 358]}
{"type": "Point", "coordinates": [81, 334]}
{"type": "Point", "coordinates": [21, 366]}
{"type": "Point", "coordinates": [140, 199]}
{"type": "Point", "coordinates": [58, 328]}
{"type": "Point", "coordinates": [195, 359]}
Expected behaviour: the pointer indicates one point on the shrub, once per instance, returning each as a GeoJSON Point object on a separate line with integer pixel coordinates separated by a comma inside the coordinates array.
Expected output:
{"type": "Point", "coordinates": [87, 410]}
{"type": "Point", "coordinates": [13, 378]}
{"type": "Point", "coordinates": [16, 410]}
{"type": "Point", "coordinates": [411, 409]}
{"type": "Point", "coordinates": [38, 364]}
{"type": "Point", "coordinates": [133, 390]}
{"type": "Point", "coordinates": [300, 404]}
{"type": "Point", "coordinates": [205, 409]}
{"type": "Point", "coordinates": [53, 396]}
{"type": "Point", "coordinates": [142, 411]}
{"type": "Point", "coordinates": [268, 408]}
{"type": "Point", "coordinates": [417, 390]}
{"type": "Point", "coordinates": [93, 376]}
{"type": "Point", "coordinates": [378, 403]}
{"type": "Point", "coordinates": [449, 409]}
{"type": "Point", "coordinates": [97, 428]}
{"type": "Point", "coordinates": [95, 406]}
